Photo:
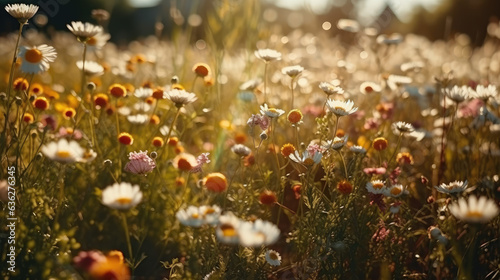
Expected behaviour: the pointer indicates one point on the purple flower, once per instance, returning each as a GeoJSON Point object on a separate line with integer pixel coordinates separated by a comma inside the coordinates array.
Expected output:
{"type": "Point", "coordinates": [259, 120]}
{"type": "Point", "coordinates": [202, 159]}
{"type": "Point", "coordinates": [140, 163]}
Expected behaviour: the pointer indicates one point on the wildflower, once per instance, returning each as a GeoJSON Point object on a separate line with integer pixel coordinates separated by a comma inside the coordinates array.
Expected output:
{"type": "Point", "coordinates": [484, 93]}
{"type": "Point", "coordinates": [20, 84]}
{"type": "Point", "coordinates": [92, 68]}
{"type": "Point", "coordinates": [228, 229]}
{"type": "Point", "coordinates": [101, 100]}
{"type": "Point", "coordinates": [395, 190]}
{"type": "Point", "coordinates": [240, 138]}
{"type": "Point", "coordinates": [341, 108]}
{"type": "Point", "coordinates": [36, 89]}
{"type": "Point", "coordinates": [180, 97]}
{"type": "Point", "coordinates": [241, 150]}
{"type": "Point", "coordinates": [110, 268]}
{"type": "Point", "coordinates": [292, 71]}
{"type": "Point", "coordinates": [215, 182]}
{"type": "Point", "coordinates": [190, 217]}
{"type": "Point", "coordinates": [369, 87]}
{"type": "Point", "coordinates": [453, 187]}
{"type": "Point", "coordinates": [85, 260]}
{"type": "Point", "coordinates": [375, 187]}
{"type": "Point", "coordinates": [457, 94]}
{"type": "Point", "coordinates": [28, 118]}
{"type": "Point", "coordinates": [287, 150]}
{"type": "Point", "coordinates": [158, 94]}
{"type": "Point", "coordinates": [98, 41]}
{"type": "Point", "coordinates": [201, 160]}
{"type": "Point", "coordinates": [307, 158]}
{"type": "Point", "coordinates": [413, 65]}
{"type": "Point", "coordinates": [138, 119]}
{"type": "Point", "coordinates": [474, 210]}
{"type": "Point", "coordinates": [402, 127]}
{"type": "Point", "coordinates": [63, 151]}
{"type": "Point", "coordinates": [125, 138]}
{"type": "Point", "coordinates": [36, 59]}
{"type": "Point", "coordinates": [404, 158]}
{"type": "Point", "coordinates": [258, 233]}
{"type": "Point", "coordinates": [140, 163]}
{"type": "Point", "coordinates": [336, 144]}
{"type": "Point", "coordinates": [267, 197]}
{"type": "Point", "coordinates": [357, 149]}
{"type": "Point", "coordinates": [121, 196]}
{"type": "Point", "coordinates": [271, 112]}
{"type": "Point", "coordinates": [21, 12]}
{"type": "Point", "coordinates": [260, 120]}
{"type": "Point", "coordinates": [273, 258]}
{"type": "Point", "coordinates": [201, 69]}
{"type": "Point", "coordinates": [295, 117]}
{"type": "Point", "coordinates": [344, 187]}
{"type": "Point", "coordinates": [330, 89]}
{"type": "Point", "coordinates": [296, 190]}
{"type": "Point", "coordinates": [173, 141]}
{"type": "Point", "coordinates": [143, 93]}
{"type": "Point", "coordinates": [88, 156]}
{"type": "Point", "coordinates": [348, 25]}
{"type": "Point", "coordinates": [117, 90]}
{"type": "Point", "coordinates": [267, 55]}
{"type": "Point", "coordinates": [379, 144]}
{"type": "Point", "coordinates": [184, 161]}
{"type": "Point", "coordinates": [69, 113]}
{"type": "Point", "coordinates": [83, 31]}
{"type": "Point", "coordinates": [210, 214]}
{"type": "Point", "coordinates": [250, 85]}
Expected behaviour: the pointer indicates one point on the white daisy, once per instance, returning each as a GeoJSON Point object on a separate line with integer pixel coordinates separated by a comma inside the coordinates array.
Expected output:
{"type": "Point", "coordinates": [180, 97]}
{"type": "Point", "coordinates": [228, 229]}
{"type": "Point", "coordinates": [402, 127]}
{"type": "Point", "coordinates": [341, 108]}
{"type": "Point", "coordinates": [37, 58]}
{"type": "Point", "coordinates": [83, 31]}
{"type": "Point", "coordinates": [457, 94]}
{"type": "Point", "coordinates": [483, 92]}
{"type": "Point", "coordinates": [292, 71]}
{"type": "Point", "coordinates": [143, 93]}
{"type": "Point", "coordinates": [271, 112]}
{"type": "Point", "coordinates": [336, 144]}
{"type": "Point", "coordinates": [453, 187]}
{"type": "Point", "coordinates": [250, 85]}
{"type": "Point", "coordinates": [273, 258]}
{"type": "Point", "coordinates": [190, 216]}
{"type": "Point", "coordinates": [121, 196]}
{"type": "Point", "coordinates": [376, 186]}
{"type": "Point", "coordinates": [63, 151]}
{"type": "Point", "coordinates": [330, 89]}
{"type": "Point", "coordinates": [92, 68]}
{"type": "Point", "coordinates": [21, 12]}
{"type": "Point", "coordinates": [268, 55]}
{"type": "Point", "coordinates": [307, 159]}
{"type": "Point", "coordinates": [474, 210]}
{"type": "Point", "coordinates": [138, 119]}
{"type": "Point", "coordinates": [394, 190]}
{"type": "Point", "coordinates": [258, 233]}
{"type": "Point", "coordinates": [357, 149]}
{"type": "Point", "coordinates": [98, 41]}
{"type": "Point", "coordinates": [210, 214]}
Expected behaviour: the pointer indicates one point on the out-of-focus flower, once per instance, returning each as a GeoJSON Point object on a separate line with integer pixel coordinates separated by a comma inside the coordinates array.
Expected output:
{"type": "Point", "coordinates": [228, 229]}
{"type": "Point", "coordinates": [357, 149]}
{"type": "Point", "coordinates": [402, 128]}
{"type": "Point", "coordinates": [379, 144]}
{"type": "Point", "coordinates": [484, 93]}
{"type": "Point", "coordinates": [344, 187]}
{"type": "Point", "coordinates": [341, 108]}
{"type": "Point", "coordinates": [92, 68]}
{"type": "Point", "coordinates": [348, 25]}
{"type": "Point", "coordinates": [295, 117]}
{"type": "Point", "coordinates": [86, 259]}
{"type": "Point", "coordinates": [184, 162]}
{"type": "Point", "coordinates": [21, 12]}
{"type": "Point", "coordinates": [215, 182]}
{"type": "Point", "coordinates": [41, 103]}
{"type": "Point", "coordinates": [474, 210]}
{"type": "Point", "coordinates": [111, 268]}
{"type": "Point", "coordinates": [63, 151]}
{"type": "Point", "coordinates": [273, 258]}
{"type": "Point", "coordinates": [117, 90]}
{"type": "Point", "coordinates": [336, 144]}
{"type": "Point", "coordinates": [98, 41]}
{"type": "Point", "coordinates": [292, 71]}
{"type": "Point", "coordinates": [121, 196]}
{"type": "Point", "coordinates": [190, 217]}
{"type": "Point", "coordinates": [36, 59]}
{"type": "Point", "coordinates": [404, 158]}
{"type": "Point", "coordinates": [395, 190]}
{"type": "Point", "coordinates": [241, 150]}
{"type": "Point", "coordinates": [143, 93]}
{"type": "Point", "coordinates": [210, 214]}
{"type": "Point", "coordinates": [457, 94]}
{"type": "Point", "coordinates": [125, 138]}
{"type": "Point", "coordinates": [452, 187]}
{"type": "Point", "coordinates": [267, 197]}
{"type": "Point", "coordinates": [201, 69]}
{"type": "Point", "coordinates": [140, 163]}
{"type": "Point", "coordinates": [267, 55]}
{"type": "Point", "coordinates": [180, 97]}
{"type": "Point", "coordinates": [307, 158]}
{"type": "Point", "coordinates": [330, 89]}
{"type": "Point", "coordinates": [374, 170]}
{"type": "Point", "coordinates": [376, 187]}
{"type": "Point", "coordinates": [271, 112]}
{"type": "Point", "coordinates": [83, 31]}
{"type": "Point", "coordinates": [259, 120]}
{"type": "Point", "coordinates": [258, 233]}
{"type": "Point", "coordinates": [369, 87]}
{"type": "Point", "coordinates": [200, 160]}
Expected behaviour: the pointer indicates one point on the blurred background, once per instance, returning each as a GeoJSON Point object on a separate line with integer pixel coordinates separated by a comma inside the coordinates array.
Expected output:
{"type": "Point", "coordinates": [132, 19]}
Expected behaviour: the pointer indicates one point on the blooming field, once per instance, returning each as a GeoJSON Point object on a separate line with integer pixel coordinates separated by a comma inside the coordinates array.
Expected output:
{"type": "Point", "coordinates": [249, 154]}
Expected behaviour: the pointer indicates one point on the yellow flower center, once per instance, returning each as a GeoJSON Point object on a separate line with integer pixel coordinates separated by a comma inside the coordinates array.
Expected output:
{"type": "Point", "coordinates": [195, 215]}
{"type": "Point", "coordinates": [273, 256]}
{"type": "Point", "coordinates": [124, 200]}
{"type": "Point", "coordinates": [63, 154]}
{"type": "Point", "coordinates": [378, 186]}
{"type": "Point", "coordinates": [273, 110]}
{"type": "Point", "coordinates": [308, 161]}
{"type": "Point", "coordinates": [92, 41]}
{"type": "Point", "coordinates": [228, 230]}
{"type": "Point", "coordinates": [474, 214]}
{"type": "Point", "coordinates": [33, 56]}
{"type": "Point", "coordinates": [340, 109]}
{"type": "Point", "coordinates": [395, 191]}
{"type": "Point", "coordinates": [209, 211]}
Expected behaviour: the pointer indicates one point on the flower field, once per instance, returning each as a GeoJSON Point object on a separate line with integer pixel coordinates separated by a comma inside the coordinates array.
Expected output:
{"type": "Point", "coordinates": [248, 154]}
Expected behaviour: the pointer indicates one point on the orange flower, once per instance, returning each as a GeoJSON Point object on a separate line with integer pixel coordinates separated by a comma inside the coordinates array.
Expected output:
{"type": "Point", "coordinates": [287, 150]}
{"type": "Point", "coordinates": [215, 182]}
{"type": "Point", "coordinates": [158, 93]}
{"type": "Point", "coordinates": [101, 100]}
{"type": "Point", "coordinates": [69, 113]}
{"type": "Point", "coordinates": [201, 69]}
{"type": "Point", "coordinates": [344, 187]}
{"type": "Point", "coordinates": [117, 90]}
{"type": "Point", "coordinates": [157, 142]}
{"type": "Point", "coordinates": [184, 162]}
{"type": "Point", "coordinates": [267, 197]}
{"type": "Point", "coordinates": [20, 84]}
{"type": "Point", "coordinates": [179, 181]}
{"type": "Point", "coordinates": [404, 158]}
{"type": "Point", "coordinates": [340, 133]}
{"type": "Point", "coordinates": [109, 269]}
{"type": "Point", "coordinates": [28, 118]}
{"type": "Point", "coordinates": [295, 116]}
{"type": "Point", "coordinates": [173, 141]}
{"type": "Point", "coordinates": [154, 119]}
{"type": "Point", "coordinates": [115, 255]}
{"type": "Point", "coordinates": [240, 138]}
{"type": "Point", "coordinates": [41, 103]}
{"type": "Point", "coordinates": [150, 100]}
{"type": "Point", "coordinates": [380, 144]}
{"type": "Point", "coordinates": [125, 138]}
{"type": "Point", "coordinates": [36, 89]}
{"type": "Point", "coordinates": [209, 81]}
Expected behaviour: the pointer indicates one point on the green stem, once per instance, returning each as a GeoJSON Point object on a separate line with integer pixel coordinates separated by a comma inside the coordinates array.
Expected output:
{"type": "Point", "coordinates": [61, 192]}
{"type": "Point", "coordinates": [129, 245]}
{"type": "Point", "coordinates": [345, 166]}
{"type": "Point", "coordinates": [171, 128]}
{"type": "Point", "coordinates": [291, 85]}
{"type": "Point", "coordinates": [265, 82]}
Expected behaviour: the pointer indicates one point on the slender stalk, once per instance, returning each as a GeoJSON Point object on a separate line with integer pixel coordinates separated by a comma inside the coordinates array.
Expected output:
{"type": "Point", "coordinates": [291, 86]}
{"type": "Point", "coordinates": [129, 245]}
{"type": "Point", "coordinates": [396, 150]}
{"type": "Point", "coordinates": [265, 82]}
{"type": "Point", "coordinates": [82, 90]}
{"type": "Point", "coordinates": [171, 128]}
{"type": "Point", "coordinates": [345, 166]}
{"type": "Point", "coordinates": [230, 182]}
{"type": "Point", "coordinates": [274, 150]}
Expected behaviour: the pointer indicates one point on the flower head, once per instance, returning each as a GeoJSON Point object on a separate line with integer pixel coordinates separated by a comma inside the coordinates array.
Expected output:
{"type": "Point", "coordinates": [336, 144]}
{"type": "Point", "coordinates": [402, 127]}
{"type": "Point", "coordinates": [258, 233]}
{"type": "Point", "coordinates": [474, 210]}
{"type": "Point", "coordinates": [483, 92]}
{"type": "Point", "coordinates": [308, 159]}
{"type": "Point", "coordinates": [376, 187]}
{"type": "Point", "coordinates": [330, 89]}
{"type": "Point", "coordinates": [83, 31]}
{"type": "Point", "coordinates": [63, 151]}
{"type": "Point", "coordinates": [180, 97]}
{"type": "Point", "coordinates": [21, 12]}
{"type": "Point", "coordinates": [140, 163]}
{"type": "Point", "coordinates": [273, 258]}
{"type": "Point", "coordinates": [121, 196]}
{"type": "Point", "coordinates": [201, 69]}
{"type": "Point", "coordinates": [215, 182]}
{"type": "Point", "coordinates": [453, 187]}
{"type": "Point", "coordinates": [241, 150]}
{"type": "Point", "coordinates": [457, 94]}
{"type": "Point", "coordinates": [295, 117]}
{"type": "Point", "coordinates": [184, 162]}
{"type": "Point", "coordinates": [267, 55]}
{"type": "Point", "coordinates": [36, 59]}
{"type": "Point", "coordinates": [271, 112]}
{"type": "Point", "coordinates": [190, 216]}
{"type": "Point", "coordinates": [92, 68]}
{"type": "Point", "coordinates": [394, 190]}
{"type": "Point", "coordinates": [201, 160]}
{"type": "Point", "coordinates": [228, 229]}
{"type": "Point", "coordinates": [341, 108]}
{"type": "Point", "coordinates": [292, 71]}
{"type": "Point", "coordinates": [259, 120]}
{"type": "Point", "coordinates": [357, 149]}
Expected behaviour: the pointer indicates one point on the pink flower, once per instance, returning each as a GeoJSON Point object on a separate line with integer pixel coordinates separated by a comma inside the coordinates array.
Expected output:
{"type": "Point", "coordinates": [312, 149]}
{"type": "Point", "coordinates": [371, 123]}
{"type": "Point", "coordinates": [470, 109]}
{"type": "Point", "coordinates": [85, 260]}
{"type": "Point", "coordinates": [375, 170]}
{"type": "Point", "coordinates": [140, 163]}
{"type": "Point", "coordinates": [202, 159]}
{"type": "Point", "coordinates": [259, 120]}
